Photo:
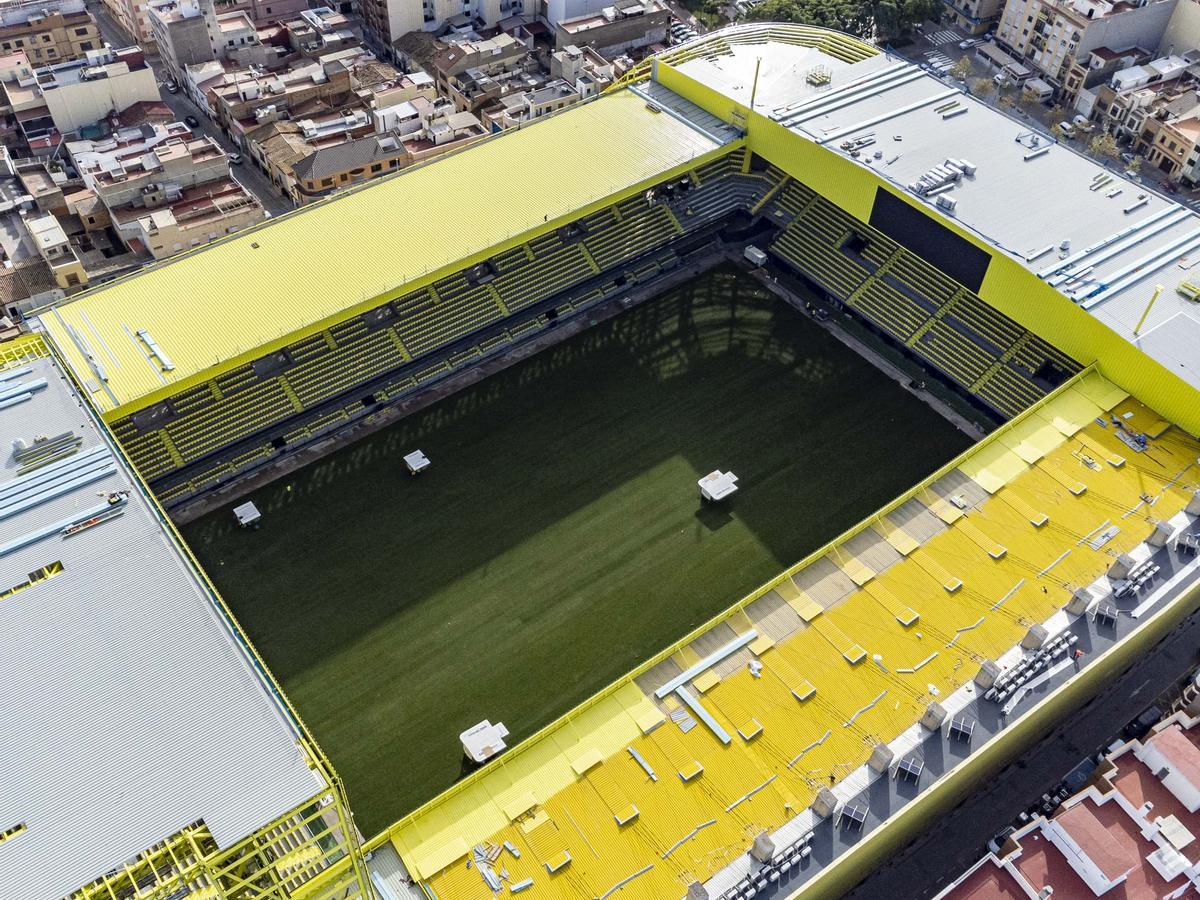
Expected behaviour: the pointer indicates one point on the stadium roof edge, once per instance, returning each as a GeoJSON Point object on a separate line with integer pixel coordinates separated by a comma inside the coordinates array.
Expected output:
{"type": "Point", "coordinates": [609, 167]}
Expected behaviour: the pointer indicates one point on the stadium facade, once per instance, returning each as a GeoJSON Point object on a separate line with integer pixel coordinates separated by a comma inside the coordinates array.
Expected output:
{"type": "Point", "coordinates": [942, 631]}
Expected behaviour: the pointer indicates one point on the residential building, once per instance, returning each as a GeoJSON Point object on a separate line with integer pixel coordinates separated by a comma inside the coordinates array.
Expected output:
{"type": "Point", "coordinates": [389, 20]}
{"type": "Point", "coordinates": [1050, 35]}
{"type": "Point", "coordinates": [48, 31]}
{"type": "Point", "coordinates": [175, 220]}
{"type": "Point", "coordinates": [626, 25]}
{"type": "Point", "coordinates": [316, 32]}
{"type": "Point", "coordinates": [582, 68]}
{"type": "Point", "coordinates": [183, 33]}
{"type": "Point", "coordinates": [1088, 72]}
{"type": "Point", "coordinates": [1153, 105]}
{"type": "Point", "coordinates": [247, 99]}
{"type": "Point", "coordinates": [162, 188]}
{"type": "Point", "coordinates": [134, 17]}
{"type": "Point", "coordinates": [59, 99]}
{"type": "Point", "coordinates": [264, 12]}
{"type": "Point", "coordinates": [405, 87]}
{"type": "Point", "coordinates": [974, 16]}
{"type": "Point", "coordinates": [1130, 830]}
{"type": "Point", "coordinates": [307, 164]}
{"type": "Point", "coordinates": [476, 74]}
{"type": "Point", "coordinates": [55, 248]}
{"type": "Point", "coordinates": [121, 176]}
{"type": "Point", "coordinates": [42, 185]}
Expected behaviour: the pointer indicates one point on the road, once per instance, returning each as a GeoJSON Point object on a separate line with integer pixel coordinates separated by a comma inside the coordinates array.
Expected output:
{"type": "Point", "coordinates": [951, 844]}
{"type": "Point", "coordinates": [247, 174]}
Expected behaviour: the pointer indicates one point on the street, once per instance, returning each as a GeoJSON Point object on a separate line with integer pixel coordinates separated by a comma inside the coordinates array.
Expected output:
{"type": "Point", "coordinates": [952, 843]}
{"type": "Point", "coordinates": [246, 173]}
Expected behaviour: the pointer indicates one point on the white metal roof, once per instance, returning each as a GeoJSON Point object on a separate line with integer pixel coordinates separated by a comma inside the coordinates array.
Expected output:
{"type": "Point", "coordinates": [1028, 197]}
{"type": "Point", "coordinates": [127, 710]}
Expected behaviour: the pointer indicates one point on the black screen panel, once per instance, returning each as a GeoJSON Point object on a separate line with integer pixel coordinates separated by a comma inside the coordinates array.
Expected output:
{"type": "Point", "coordinates": [929, 239]}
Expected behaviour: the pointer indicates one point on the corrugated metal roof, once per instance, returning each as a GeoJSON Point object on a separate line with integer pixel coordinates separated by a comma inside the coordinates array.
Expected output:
{"type": "Point", "coordinates": [208, 308]}
{"type": "Point", "coordinates": [127, 712]}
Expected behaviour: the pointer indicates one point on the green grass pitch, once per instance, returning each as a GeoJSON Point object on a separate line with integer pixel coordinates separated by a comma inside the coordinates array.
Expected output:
{"type": "Point", "coordinates": [558, 539]}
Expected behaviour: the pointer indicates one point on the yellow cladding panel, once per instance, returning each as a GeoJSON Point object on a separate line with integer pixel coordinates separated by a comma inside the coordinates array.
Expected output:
{"type": "Point", "coordinates": [255, 292]}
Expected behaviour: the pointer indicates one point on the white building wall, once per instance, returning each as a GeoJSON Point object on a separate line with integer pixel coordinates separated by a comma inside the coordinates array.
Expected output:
{"type": "Point", "coordinates": [1183, 790]}
{"type": "Point", "coordinates": [74, 105]}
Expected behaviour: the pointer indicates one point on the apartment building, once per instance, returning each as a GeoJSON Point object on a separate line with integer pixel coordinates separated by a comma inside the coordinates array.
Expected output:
{"type": "Point", "coordinates": [389, 20]}
{"type": "Point", "coordinates": [134, 17]}
{"type": "Point", "coordinates": [1130, 829]}
{"type": "Point", "coordinates": [1051, 35]}
{"type": "Point", "coordinates": [476, 74]}
{"type": "Point", "coordinates": [974, 16]}
{"type": "Point", "coordinates": [48, 31]}
{"type": "Point", "coordinates": [420, 131]}
{"type": "Point", "coordinates": [626, 25]}
{"type": "Point", "coordinates": [183, 32]}
{"type": "Point", "coordinates": [185, 218]}
{"type": "Point", "coordinates": [162, 188]}
{"type": "Point", "coordinates": [59, 99]}
{"type": "Point", "coordinates": [247, 99]}
{"type": "Point", "coordinates": [55, 248]}
{"type": "Point", "coordinates": [316, 32]}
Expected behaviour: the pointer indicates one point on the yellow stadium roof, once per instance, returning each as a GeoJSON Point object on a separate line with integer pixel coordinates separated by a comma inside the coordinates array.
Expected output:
{"type": "Point", "coordinates": [620, 789]}
{"type": "Point", "coordinates": [248, 295]}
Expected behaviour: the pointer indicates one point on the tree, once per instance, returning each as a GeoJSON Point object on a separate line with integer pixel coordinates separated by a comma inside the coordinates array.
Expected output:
{"type": "Point", "coordinates": [963, 69]}
{"type": "Point", "coordinates": [1104, 146]}
{"type": "Point", "coordinates": [879, 20]}
{"type": "Point", "coordinates": [1057, 115]}
{"type": "Point", "coordinates": [850, 16]}
{"type": "Point", "coordinates": [1029, 97]}
{"type": "Point", "coordinates": [1005, 91]}
{"type": "Point", "coordinates": [981, 87]}
{"type": "Point", "coordinates": [1133, 165]}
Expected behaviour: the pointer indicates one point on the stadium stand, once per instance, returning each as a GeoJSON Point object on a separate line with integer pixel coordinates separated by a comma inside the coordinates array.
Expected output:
{"type": "Point", "coordinates": [668, 774]}
{"type": "Point", "coordinates": [970, 342]}
{"type": "Point", "coordinates": [479, 311]}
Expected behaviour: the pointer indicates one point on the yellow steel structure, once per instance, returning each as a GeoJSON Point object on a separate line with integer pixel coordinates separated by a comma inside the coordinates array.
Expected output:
{"type": "Point", "coordinates": [245, 296]}
{"type": "Point", "coordinates": [991, 569]}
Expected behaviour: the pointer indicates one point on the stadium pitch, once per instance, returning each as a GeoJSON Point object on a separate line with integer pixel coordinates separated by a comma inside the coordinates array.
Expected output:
{"type": "Point", "coordinates": [558, 539]}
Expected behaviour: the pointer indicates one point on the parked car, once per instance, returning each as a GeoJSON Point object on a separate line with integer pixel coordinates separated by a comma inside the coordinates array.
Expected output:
{"type": "Point", "coordinates": [1128, 158]}
{"type": "Point", "coordinates": [172, 87]}
{"type": "Point", "coordinates": [969, 43]}
{"type": "Point", "coordinates": [192, 121]}
{"type": "Point", "coordinates": [235, 159]}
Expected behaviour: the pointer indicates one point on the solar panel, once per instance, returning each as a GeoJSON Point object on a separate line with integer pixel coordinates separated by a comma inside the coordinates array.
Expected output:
{"type": "Point", "coordinates": [910, 768]}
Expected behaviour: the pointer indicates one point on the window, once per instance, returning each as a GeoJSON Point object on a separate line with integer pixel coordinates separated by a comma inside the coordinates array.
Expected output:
{"type": "Point", "coordinates": [81, 32]}
{"type": "Point", "coordinates": [377, 167]}
{"type": "Point", "coordinates": [326, 182]}
{"type": "Point", "coordinates": [85, 45]}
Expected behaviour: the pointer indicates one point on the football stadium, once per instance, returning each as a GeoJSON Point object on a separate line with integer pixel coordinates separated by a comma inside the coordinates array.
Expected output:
{"type": "Point", "coordinates": [757, 681]}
